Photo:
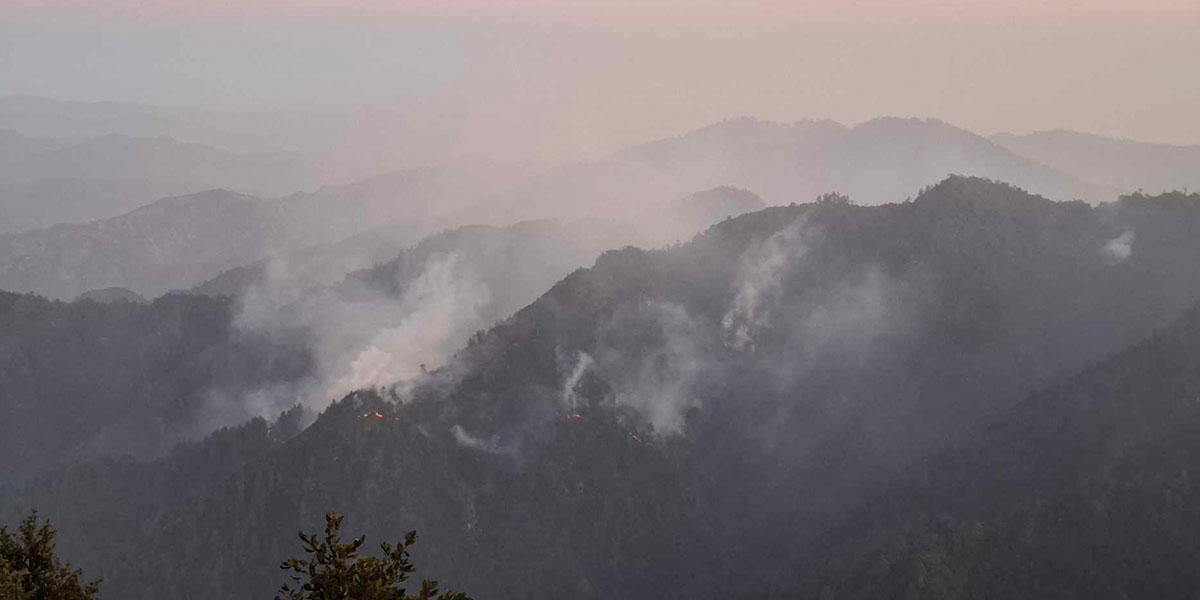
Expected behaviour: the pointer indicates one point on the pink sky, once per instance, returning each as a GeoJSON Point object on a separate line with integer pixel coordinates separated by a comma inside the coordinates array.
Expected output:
{"type": "Point", "coordinates": [548, 78]}
{"type": "Point", "coordinates": [592, 9]}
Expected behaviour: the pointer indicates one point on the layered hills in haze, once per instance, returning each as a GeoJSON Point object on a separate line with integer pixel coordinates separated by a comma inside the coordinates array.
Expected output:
{"type": "Point", "coordinates": [1124, 164]}
{"type": "Point", "coordinates": [878, 161]}
{"type": "Point", "coordinates": [179, 242]}
{"type": "Point", "coordinates": [45, 181]}
{"type": "Point", "coordinates": [347, 144]}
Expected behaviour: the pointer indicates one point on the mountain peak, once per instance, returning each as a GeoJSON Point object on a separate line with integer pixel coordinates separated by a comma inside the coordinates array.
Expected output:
{"type": "Point", "coordinates": [959, 197]}
{"type": "Point", "coordinates": [960, 191]}
{"type": "Point", "coordinates": [904, 122]}
{"type": "Point", "coordinates": [910, 127]}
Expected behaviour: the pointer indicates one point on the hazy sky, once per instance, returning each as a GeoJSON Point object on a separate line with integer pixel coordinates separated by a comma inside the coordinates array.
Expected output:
{"type": "Point", "coordinates": [550, 77]}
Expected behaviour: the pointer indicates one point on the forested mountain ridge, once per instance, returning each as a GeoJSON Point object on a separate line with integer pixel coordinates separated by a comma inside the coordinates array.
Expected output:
{"type": "Point", "coordinates": [683, 422]}
{"type": "Point", "coordinates": [1084, 489]}
{"type": "Point", "coordinates": [85, 379]}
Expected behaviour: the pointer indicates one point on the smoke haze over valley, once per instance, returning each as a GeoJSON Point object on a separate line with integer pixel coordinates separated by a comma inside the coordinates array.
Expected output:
{"type": "Point", "coordinates": [665, 300]}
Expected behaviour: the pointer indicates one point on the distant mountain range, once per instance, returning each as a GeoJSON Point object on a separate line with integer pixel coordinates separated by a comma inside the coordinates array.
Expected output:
{"type": "Point", "coordinates": [349, 143]}
{"type": "Point", "coordinates": [700, 420]}
{"type": "Point", "coordinates": [883, 160]}
{"type": "Point", "coordinates": [179, 242]}
{"type": "Point", "coordinates": [117, 156]}
{"type": "Point", "coordinates": [46, 181]}
{"type": "Point", "coordinates": [1123, 164]}
{"type": "Point", "coordinates": [878, 161]}
{"type": "Point", "coordinates": [43, 203]}
{"type": "Point", "coordinates": [580, 241]}
{"type": "Point", "coordinates": [168, 244]}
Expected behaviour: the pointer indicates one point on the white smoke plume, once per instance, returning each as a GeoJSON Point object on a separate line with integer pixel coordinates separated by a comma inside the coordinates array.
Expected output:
{"type": "Point", "coordinates": [656, 380]}
{"type": "Point", "coordinates": [371, 340]}
{"type": "Point", "coordinates": [582, 364]}
{"type": "Point", "coordinates": [438, 310]}
{"type": "Point", "coordinates": [466, 440]}
{"type": "Point", "coordinates": [1120, 248]}
{"type": "Point", "coordinates": [655, 355]}
{"type": "Point", "coordinates": [762, 269]}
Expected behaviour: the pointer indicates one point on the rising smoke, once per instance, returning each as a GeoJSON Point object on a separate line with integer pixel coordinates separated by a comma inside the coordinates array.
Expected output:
{"type": "Point", "coordinates": [759, 280]}
{"type": "Point", "coordinates": [1120, 248]}
{"type": "Point", "coordinates": [367, 340]}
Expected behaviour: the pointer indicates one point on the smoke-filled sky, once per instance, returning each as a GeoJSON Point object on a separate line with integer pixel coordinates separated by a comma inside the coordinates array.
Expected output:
{"type": "Point", "coordinates": [546, 79]}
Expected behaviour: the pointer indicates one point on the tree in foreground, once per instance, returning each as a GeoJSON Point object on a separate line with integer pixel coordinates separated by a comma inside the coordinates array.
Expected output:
{"type": "Point", "coordinates": [335, 571]}
{"type": "Point", "coordinates": [29, 569]}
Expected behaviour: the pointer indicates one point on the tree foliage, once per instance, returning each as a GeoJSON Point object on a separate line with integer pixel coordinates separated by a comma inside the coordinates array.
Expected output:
{"type": "Point", "coordinates": [335, 571]}
{"type": "Point", "coordinates": [30, 569]}
{"type": "Point", "coordinates": [834, 198]}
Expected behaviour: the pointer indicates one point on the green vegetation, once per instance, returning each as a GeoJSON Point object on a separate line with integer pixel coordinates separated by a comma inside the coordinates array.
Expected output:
{"type": "Point", "coordinates": [335, 571]}
{"type": "Point", "coordinates": [833, 198]}
{"type": "Point", "coordinates": [91, 379]}
{"type": "Point", "coordinates": [30, 569]}
{"type": "Point", "coordinates": [1082, 491]}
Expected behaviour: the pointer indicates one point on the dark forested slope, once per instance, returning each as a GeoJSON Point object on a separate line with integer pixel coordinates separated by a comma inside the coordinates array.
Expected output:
{"type": "Point", "coordinates": [85, 379]}
{"type": "Point", "coordinates": [1083, 490]}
